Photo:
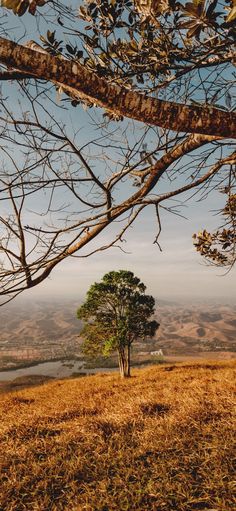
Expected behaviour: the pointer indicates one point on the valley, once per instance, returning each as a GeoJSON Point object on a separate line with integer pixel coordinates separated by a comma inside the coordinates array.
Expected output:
{"type": "Point", "coordinates": [46, 331]}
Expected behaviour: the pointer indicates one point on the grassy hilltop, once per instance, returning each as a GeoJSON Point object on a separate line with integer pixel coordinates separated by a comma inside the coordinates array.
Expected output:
{"type": "Point", "coordinates": [160, 441]}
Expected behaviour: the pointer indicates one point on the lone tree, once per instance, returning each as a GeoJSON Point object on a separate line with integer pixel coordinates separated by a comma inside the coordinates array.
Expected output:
{"type": "Point", "coordinates": [152, 83]}
{"type": "Point", "coordinates": [117, 312]}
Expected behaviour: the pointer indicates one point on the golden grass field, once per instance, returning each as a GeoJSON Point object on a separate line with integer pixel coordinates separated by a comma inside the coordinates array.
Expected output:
{"type": "Point", "coordinates": [159, 441]}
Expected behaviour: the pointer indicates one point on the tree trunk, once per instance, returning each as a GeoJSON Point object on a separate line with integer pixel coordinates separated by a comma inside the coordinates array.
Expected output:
{"type": "Point", "coordinates": [77, 81]}
{"type": "Point", "coordinates": [124, 362]}
{"type": "Point", "coordinates": [128, 360]}
{"type": "Point", "coordinates": [121, 357]}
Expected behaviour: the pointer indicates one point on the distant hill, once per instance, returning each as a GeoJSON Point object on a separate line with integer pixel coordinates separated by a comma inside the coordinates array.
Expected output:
{"type": "Point", "coordinates": [45, 330]}
{"type": "Point", "coordinates": [194, 329]}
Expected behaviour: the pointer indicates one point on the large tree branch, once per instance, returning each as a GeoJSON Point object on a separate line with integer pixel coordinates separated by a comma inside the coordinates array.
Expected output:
{"type": "Point", "coordinates": [77, 81]}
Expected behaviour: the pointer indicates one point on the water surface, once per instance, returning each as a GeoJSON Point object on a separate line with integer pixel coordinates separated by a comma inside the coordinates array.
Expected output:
{"type": "Point", "coordinates": [57, 369]}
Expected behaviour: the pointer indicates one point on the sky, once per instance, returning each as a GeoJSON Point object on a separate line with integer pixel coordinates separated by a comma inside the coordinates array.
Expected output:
{"type": "Point", "coordinates": [176, 273]}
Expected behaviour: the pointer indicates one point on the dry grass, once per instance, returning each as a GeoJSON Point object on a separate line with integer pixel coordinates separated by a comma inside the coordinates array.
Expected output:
{"type": "Point", "coordinates": [160, 441]}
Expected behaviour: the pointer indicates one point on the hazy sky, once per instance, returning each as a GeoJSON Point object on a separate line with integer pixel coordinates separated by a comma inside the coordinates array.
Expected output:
{"type": "Point", "coordinates": [176, 272]}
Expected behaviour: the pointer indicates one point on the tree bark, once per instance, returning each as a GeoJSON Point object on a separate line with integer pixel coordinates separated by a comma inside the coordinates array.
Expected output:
{"type": "Point", "coordinates": [128, 361]}
{"type": "Point", "coordinates": [124, 362]}
{"type": "Point", "coordinates": [78, 82]}
{"type": "Point", "coordinates": [121, 363]}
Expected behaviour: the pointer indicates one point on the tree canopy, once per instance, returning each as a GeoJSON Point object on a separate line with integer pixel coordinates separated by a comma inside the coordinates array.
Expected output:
{"type": "Point", "coordinates": [154, 81]}
{"type": "Point", "coordinates": [116, 313]}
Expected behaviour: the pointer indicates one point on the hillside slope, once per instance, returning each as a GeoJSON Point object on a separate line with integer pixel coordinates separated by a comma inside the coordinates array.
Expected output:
{"type": "Point", "coordinates": [161, 440]}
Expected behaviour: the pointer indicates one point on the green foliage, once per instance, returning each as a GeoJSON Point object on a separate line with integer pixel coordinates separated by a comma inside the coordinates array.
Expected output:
{"type": "Point", "coordinates": [219, 247]}
{"type": "Point", "coordinates": [156, 36]}
{"type": "Point", "coordinates": [201, 16]}
{"type": "Point", "coordinates": [116, 312]}
{"type": "Point", "coordinates": [19, 7]}
{"type": "Point", "coordinates": [232, 13]}
{"type": "Point", "coordinates": [51, 44]}
{"type": "Point", "coordinates": [137, 42]}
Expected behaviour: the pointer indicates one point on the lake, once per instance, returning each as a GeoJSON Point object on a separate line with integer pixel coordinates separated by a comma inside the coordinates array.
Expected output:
{"type": "Point", "coordinates": [57, 369]}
